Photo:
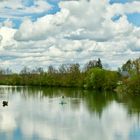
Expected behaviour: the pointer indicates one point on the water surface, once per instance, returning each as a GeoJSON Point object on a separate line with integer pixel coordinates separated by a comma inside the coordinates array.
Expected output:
{"type": "Point", "coordinates": [37, 114]}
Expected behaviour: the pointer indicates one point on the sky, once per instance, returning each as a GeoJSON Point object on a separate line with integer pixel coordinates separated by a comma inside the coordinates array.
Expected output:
{"type": "Point", "coordinates": [39, 33]}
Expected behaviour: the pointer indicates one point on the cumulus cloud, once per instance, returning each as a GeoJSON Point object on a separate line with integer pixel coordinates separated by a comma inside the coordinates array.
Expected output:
{"type": "Point", "coordinates": [73, 24]}
{"type": "Point", "coordinates": [80, 31]}
{"type": "Point", "coordinates": [8, 23]}
{"type": "Point", "coordinates": [7, 39]}
{"type": "Point", "coordinates": [17, 8]}
{"type": "Point", "coordinates": [42, 28]}
{"type": "Point", "coordinates": [122, 9]}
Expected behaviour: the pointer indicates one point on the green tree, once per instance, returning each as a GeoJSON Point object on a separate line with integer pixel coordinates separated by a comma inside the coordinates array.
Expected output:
{"type": "Point", "coordinates": [51, 69]}
{"type": "Point", "coordinates": [95, 78]}
{"type": "Point", "coordinates": [111, 80]}
{"type": "Point", "coordinates": [93, 64]}
{"type": "Point", "coordinates": [63, 69]}
{"type": "Point", "coordinates": [99, 63]}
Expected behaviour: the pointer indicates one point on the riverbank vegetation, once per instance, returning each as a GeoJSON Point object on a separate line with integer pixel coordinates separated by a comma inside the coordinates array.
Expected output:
{"type": "Point", "coordinates": [91, 76]}
{"type": "Point", "coordinates": [131, 79]}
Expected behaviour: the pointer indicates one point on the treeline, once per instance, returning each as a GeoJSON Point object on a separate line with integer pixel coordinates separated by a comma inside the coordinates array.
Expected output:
{"type": "Point", "coordinates": [131, 78]}
{"type": "Point", "coordinates": [92, 76]}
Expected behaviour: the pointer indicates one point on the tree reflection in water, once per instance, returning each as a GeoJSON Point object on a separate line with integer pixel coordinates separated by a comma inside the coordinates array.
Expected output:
{"type": "Point", "coordinates": [35, 113]}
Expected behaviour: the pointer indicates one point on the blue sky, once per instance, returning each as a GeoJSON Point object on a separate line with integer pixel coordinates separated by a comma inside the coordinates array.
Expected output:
{"type": "Point", "coordinates": [121, 1]}
{"type": "Point", "coordinates": [33, 16]}
{"type": "Point", "coordinates": [133, 18]}
{"type": "Point", "coordinates": [49, 32]}
{"type": "Point", "coordinates": [118, 1]}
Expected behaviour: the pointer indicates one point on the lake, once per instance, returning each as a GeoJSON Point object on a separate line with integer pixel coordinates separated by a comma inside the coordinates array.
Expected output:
{"type": "Point", "coordinates": [35, 113]}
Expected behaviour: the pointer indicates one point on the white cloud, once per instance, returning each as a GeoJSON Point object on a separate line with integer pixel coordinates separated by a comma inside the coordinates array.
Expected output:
{"type": "Point", "coordinates": [42, 28]}
{"type": "Point", "coordinates": [8, 23]}
{"type": "Point", "coordinates": [16, 8]}
{"type": "Point", "coordinates": [81, 31]}
{"type": "Point", "coordinates": [7, 122]}
{"type": "Point", "coordinates": [127, 8]}
{"type": "Point", "coordinates": [7, 35]}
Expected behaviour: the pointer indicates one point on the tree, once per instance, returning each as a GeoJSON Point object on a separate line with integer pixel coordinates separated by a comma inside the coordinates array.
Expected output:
{"type": "Point", "coordinates": [93, 64]}
{"type": "Point", "coordinates": [133, 67]}
{"type": "Point", "coordinates": [127, 66]}
{"type": "Point", "coordinates": [99, 63]}
{"type": "Point", "coordinates": [39, 70]}
{"type": "Point", "coordinates": [8, 71]}
{"type": "Point", "coordinates": [74, 68]}
{"type": "Point", "coordinates": [111, 80]}
{"type": "Point", "coordinates": [63, 69]}
{"type": "Point", "coordinates": [95, 79]}
{"type": "Point", "coordinates": [51, 69]}
{"type": "Point", "coordinates": [136, 66]}
{"type": "Point", "coordinates": [132, 83]}
{"type": "Point", "coordinates": [25, 71]}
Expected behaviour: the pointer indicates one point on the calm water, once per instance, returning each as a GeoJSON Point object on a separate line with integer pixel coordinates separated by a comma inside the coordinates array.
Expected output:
{"type": "Point", "coordinates": [36, 114]}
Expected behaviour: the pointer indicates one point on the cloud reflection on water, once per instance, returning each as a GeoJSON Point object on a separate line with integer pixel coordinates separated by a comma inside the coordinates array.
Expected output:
{"type": "Point", "coordinates": [34, 117]}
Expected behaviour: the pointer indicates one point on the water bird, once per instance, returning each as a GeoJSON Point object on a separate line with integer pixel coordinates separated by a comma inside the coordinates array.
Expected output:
{"type": "Point", "coordinates": [62, 102]}
{"type": "Point", "coordinates": [5, 103]}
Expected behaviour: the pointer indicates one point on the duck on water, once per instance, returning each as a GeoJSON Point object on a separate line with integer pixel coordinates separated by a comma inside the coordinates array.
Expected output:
{"type": "Point", "coordinates": [5, 103]}
{"type": "Point", "coordinates": [62, 101]}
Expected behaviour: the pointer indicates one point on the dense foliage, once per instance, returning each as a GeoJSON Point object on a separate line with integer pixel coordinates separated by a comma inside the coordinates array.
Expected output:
{"type": "Point", "coordinates": [131, 81]}
{"type": "Point", "coordinates": [92, 76]}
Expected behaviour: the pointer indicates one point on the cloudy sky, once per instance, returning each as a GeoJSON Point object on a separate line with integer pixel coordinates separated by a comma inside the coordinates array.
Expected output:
{"type": "Point", "coordinates": [37, 33]}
